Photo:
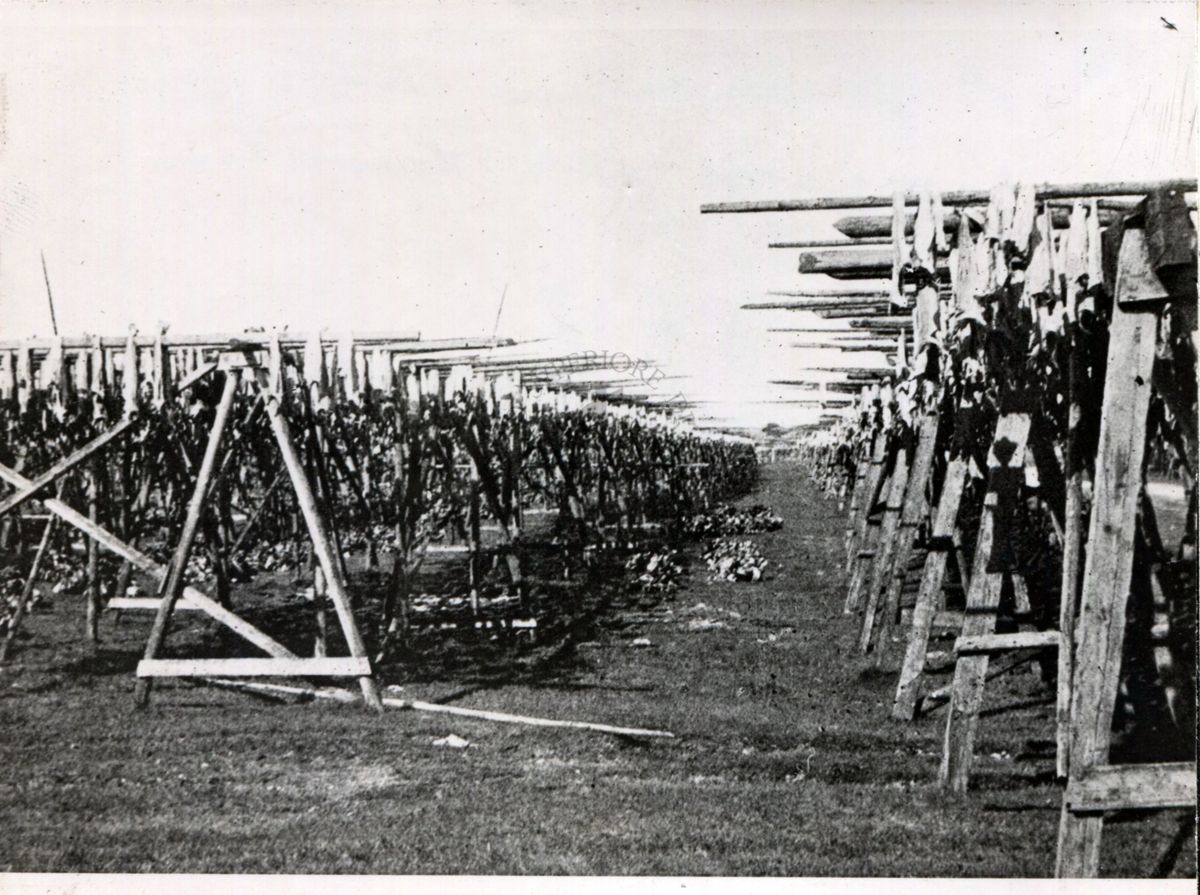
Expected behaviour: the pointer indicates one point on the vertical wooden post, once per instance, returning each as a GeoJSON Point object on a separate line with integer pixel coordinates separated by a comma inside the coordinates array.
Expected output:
{"type": "Point", "coordinates": [93, 554]}
{"type": "Point", "coordinates": [1133, 337]}
{"type": "Point", "coordinates": [1072, 559]}
{"type": "Point", "coordinates": [174, 579]}
{"type": "Point", "coordinates": [1007, 457]}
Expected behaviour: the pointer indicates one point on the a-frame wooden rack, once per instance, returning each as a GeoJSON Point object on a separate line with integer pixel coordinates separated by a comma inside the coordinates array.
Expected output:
{"type": "Point", "coordinates": [1094, 786]}
{"type": "Point", "coordinates": [234, 363]}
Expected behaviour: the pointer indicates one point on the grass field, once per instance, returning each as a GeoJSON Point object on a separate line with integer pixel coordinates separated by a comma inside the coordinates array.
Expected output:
{"type": "Point", "coordinates": [785, 759]}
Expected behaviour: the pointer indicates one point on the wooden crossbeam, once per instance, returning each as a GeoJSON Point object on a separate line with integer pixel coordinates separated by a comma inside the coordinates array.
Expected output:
{"type": "Point", "coordinates": [999, 643]}
{"type": "Point", "coordinates": [341, 666]}
{"type": "Point", "coordinates": [151, 603]}
{"type": "Point", "coordinates": [950, 197]}
{"type": "Point", "coordinates": [1125, 787]}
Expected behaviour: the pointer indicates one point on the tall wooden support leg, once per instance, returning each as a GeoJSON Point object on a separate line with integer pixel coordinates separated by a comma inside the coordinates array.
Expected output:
{"type": "Point", "coordinates": [174, 581]}
{"type": "Point", "coordinates": [865, 529]}
{"type": "Point", "coordinates": [1071, 564]}
{"type": "Point", "coordinates": [881, 562]}
{"type": "Point", "coordinates": [14, 623]}
{"type": "Point", "coordinates": [1006, 458]}
{"type": "Point", "coordinates": [929, 596]}
{"type": "Point", "coordinates": [1108, 571]}
{"type": "Point", "coordinates": [320, 613]}
{"type": "Point", "coordinates": [474, 557]}
{"type": "Point", "coordinates": [864, 498]}
{"type": "Point", "coordinates": [916, 504]}
{"type": "Point", "coordinates": [93, 557]}
{"type": "Point", "coordinates": [853, 486]}
{"type": "Point", "coordinates": [323, 546]}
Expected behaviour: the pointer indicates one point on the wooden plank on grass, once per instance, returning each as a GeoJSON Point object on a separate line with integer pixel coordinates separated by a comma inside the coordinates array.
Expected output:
{"type": "Point", "coordinates": [344, 666]}
{"type": "Point", "coordinates": [1124, 787]}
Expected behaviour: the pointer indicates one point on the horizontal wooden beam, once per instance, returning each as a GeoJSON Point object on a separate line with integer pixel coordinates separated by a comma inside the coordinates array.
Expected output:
{"type": "Point", "coordinates": [800, 305]}
{"type": "Point", "coordinates": [891, 321]}
{"type": "Point", "coordinates": [999, 643]}
{"type": "Point", "coordinates": [856, 262]}
{"type": "Point", "coordinates": [831, 243]}
{"type": "Point", "coordinates": [872, 226]}
{"type": "Point", "coordinates": [832, 294]}
{"type": "Point", "coordinates": [149, 603]}
{"type": "Point", "coordinates": [347, 666]}
{"type": "Point", "coordinates": [1085, 190]}
{"type": "Point", "coordinates": [209, 340]}
{"type": "Point", "coordinates": [1137, 786]}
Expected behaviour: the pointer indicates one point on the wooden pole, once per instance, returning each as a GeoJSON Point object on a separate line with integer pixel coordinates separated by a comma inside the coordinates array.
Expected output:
{"type": "Point", "coordinates": [864, 227]}
{"type": "Point", "coordinates": [953, 197]}
{"type": "Point", "coordinates": [330, 564]}
{"type": "Point", "coordinates": [174, 581]}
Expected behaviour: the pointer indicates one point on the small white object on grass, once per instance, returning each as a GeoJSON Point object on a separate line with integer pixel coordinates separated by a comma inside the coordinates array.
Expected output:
{"type": "Point", "coordinates": [453, 741]}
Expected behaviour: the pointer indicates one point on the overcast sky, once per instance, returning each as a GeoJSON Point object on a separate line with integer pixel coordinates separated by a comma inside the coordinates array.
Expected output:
{"type": "Point", "coordinates": [355, 166]}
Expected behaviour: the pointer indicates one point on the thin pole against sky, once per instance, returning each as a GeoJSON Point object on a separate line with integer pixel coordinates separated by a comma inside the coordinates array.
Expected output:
{"type": "Point", "coordinates": [49, 295]}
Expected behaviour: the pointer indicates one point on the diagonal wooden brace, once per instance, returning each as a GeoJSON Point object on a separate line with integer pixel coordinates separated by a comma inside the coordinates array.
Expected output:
{"type": "Point", "coordinates": [62, 467]}
{"type": "Point", "coordinates": [144, 563]}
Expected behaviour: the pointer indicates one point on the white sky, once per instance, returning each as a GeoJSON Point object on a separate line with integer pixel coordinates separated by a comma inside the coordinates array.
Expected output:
{"type": "Point", "coordinates": [373, 167]}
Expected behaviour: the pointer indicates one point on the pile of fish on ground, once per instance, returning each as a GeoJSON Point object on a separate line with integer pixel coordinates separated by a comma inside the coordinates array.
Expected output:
{"type": "Point", "coordinates": [726, 520]}
{"type": "Point", "coordinates": [733, 560]}
{"type": "Point", "coordinates": [656, 571]}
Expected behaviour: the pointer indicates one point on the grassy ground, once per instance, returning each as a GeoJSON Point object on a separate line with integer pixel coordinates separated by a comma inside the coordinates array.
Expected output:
{"type": "Point", "coordinates": [785, 760]}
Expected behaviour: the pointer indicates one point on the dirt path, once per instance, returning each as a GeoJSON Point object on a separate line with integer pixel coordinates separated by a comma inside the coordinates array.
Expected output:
{"type": "Point", "coordinates": [785, 760]}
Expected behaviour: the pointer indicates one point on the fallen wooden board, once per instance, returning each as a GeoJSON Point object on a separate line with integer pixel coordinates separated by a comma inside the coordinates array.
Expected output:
{"type": "Point", "coordinates": [340, 666]}
{"type": "Point", "coordinates": [416, 705]}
